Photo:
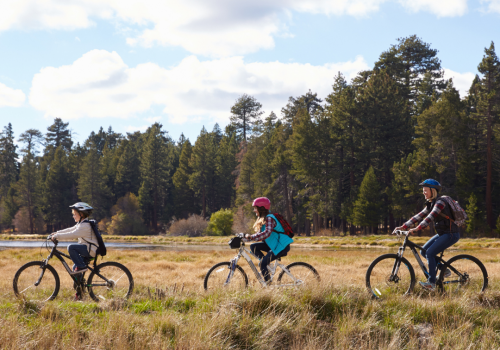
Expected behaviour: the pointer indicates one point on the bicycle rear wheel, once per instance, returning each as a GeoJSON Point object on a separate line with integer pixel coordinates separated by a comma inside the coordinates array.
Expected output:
{"type": "Point", "coordinates": [303, 275]}
{"type": "Point", "coordinates": [473, 277]}
{"type": "Point", "coordinates": [30, 284]}
{"type": "Point", "coordinates": [110, 280]}
{"type": "Point", "coordinates": [382, 282]}
{"type": "Point", "coordinates": [217, 277]}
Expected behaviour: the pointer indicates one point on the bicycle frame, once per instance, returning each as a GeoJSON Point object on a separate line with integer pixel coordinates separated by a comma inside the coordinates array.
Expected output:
{"type": "Point", "coordinates": [413, 247]}
{"type": "Point", "coordinates": [58, 254]}
{"type": "Point", "coordinates": [247, 254]}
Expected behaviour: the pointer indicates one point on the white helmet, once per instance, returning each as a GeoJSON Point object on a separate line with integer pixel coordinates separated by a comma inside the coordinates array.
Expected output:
{"type": "Point", "coordinates": [81, 206]}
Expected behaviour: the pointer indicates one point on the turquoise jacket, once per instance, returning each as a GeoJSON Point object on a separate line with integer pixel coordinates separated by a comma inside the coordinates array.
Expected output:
{"type": "Point", "coordinates": [277, 241]}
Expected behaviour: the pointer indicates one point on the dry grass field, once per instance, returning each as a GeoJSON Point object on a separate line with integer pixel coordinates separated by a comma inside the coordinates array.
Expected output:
{"type": "Point", "coordinates": [170, 310]}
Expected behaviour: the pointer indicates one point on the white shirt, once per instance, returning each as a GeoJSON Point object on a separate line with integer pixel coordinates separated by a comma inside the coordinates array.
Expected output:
{"type": "Point", "coordinates": [83, 231]}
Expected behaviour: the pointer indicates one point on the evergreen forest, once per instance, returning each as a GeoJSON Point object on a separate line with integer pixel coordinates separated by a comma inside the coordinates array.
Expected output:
{"type": "Point", "coordinates": [349, 162]}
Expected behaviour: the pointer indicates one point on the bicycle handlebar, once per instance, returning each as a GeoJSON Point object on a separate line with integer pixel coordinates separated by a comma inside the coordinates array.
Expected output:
{"type": "Point", "coordinates": [400, 232]}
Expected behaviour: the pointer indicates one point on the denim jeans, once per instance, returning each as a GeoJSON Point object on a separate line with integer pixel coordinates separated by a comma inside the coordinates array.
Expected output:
{"type": "Point", "coordinates": [78, 252]}
{"type": "Point", "coordinates": [258, 249]}
{"type": "Point", "coordinates": [434, 246]}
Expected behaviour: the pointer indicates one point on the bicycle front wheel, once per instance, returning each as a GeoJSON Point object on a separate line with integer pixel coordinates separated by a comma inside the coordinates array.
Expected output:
{"type": "Point", "coordinates": [218, 277]}
{"type": "Point", "coordinates": [301, 274]}
{"type": "Point", "coordinates": [384, 277]}
{"type": "Point", "coordinates": [472, 276]}
{"type": "Point", "coordinates": [36, 281]}
{"type": "Point", "coordinates": [110, 280]}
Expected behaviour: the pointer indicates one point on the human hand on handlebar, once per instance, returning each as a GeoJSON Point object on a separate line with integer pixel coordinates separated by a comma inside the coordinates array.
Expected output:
{"type": "Point", "coordinates": [397, 230]}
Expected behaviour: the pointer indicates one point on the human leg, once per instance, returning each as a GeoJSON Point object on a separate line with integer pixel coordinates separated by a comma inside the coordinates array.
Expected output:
{"type": "Point", "coordinates": [268, 259]}
{"type": "Point", "coordinates": [77, 252]}
{"type": "Point", "coordinates": [259, 248]}
{"type": "Point", "coordinates": [439, 245]}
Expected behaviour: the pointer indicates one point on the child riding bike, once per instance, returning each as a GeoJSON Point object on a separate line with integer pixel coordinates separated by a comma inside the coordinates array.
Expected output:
{"type": "Point", "coordinates": [271, 235]}
{"type": "Point", "coordinates": [438, 211]}
{"type": "Point", "coordinates": [87, 241]}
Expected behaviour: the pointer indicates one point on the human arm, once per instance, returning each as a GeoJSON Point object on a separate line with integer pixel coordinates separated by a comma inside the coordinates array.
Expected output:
{"type": "Point", "coordinates": [77, 231]}
{"type": "Point", "coordinates": [414, 220]}
{"type": "Point", "coordinates": [431, 217]}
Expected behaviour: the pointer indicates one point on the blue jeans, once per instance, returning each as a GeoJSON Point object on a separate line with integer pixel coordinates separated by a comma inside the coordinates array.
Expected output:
{"type": "Point", "coordinates": [79, 252]}
{"type": "Point", "coordinates": [258, 249]}
{"type": "Point", "coordinates": [434, 246]}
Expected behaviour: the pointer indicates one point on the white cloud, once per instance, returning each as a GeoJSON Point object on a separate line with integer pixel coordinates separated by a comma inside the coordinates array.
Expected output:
{"type": "Point", "coordinates": [10, 97]}
{"type": "Point", "coordinates": [440, 8]}
{"type": "Point", "coordinates": [461, 81]}
{"type": "Point", "coordinates": [100, 84]}
{"type": "Point", "coordinates": [217, 28]}
{"type": "Point", "coordinates": [493, 5]}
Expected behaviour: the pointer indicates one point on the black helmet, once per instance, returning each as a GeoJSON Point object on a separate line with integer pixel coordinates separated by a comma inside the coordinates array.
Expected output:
{"type": "Point", "coordinates": [431, 183]}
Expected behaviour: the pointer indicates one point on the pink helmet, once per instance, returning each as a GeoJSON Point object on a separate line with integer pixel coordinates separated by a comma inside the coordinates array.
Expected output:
{"type": "Point", "coordinates": [262, 202]}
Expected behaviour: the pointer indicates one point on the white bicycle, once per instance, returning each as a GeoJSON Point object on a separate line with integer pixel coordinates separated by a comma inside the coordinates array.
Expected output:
{"type": "Point", "coordinates": [230, 275]}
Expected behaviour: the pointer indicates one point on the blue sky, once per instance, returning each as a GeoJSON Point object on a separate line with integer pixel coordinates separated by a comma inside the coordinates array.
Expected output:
{"type": "Point", "coordinates": [128, 64]}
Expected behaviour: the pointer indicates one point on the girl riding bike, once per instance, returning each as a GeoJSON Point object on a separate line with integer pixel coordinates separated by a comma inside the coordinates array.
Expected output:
{"type": "Point", "coordinates": [271, 235]}
{"type": "Point", "coordinates": [438, 211]}
{"type": "Point", "coordinates": [87, 241]}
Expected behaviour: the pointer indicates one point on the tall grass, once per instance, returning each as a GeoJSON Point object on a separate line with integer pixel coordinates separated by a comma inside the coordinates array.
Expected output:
{"type": "Point", "coordinates": [170, 310]}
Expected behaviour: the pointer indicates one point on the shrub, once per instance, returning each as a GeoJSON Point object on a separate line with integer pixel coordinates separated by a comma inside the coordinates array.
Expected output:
{"type": "Point", "coordinates": [193, 226]}
{"type": "Point", "coordinates": [126, 218]}
{"type": "Point", "coordinates": [220, 223]}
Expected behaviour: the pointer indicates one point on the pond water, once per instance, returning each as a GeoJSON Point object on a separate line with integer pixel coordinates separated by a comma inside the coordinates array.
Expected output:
{"type": "Point", "coordinates": [172, 247]}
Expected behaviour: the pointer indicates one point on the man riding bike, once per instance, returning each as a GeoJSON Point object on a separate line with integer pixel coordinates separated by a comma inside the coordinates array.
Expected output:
{"type": "Point", "coordinates": [271, 235]}
{"type": "Point", "coordinates": [438, 211]}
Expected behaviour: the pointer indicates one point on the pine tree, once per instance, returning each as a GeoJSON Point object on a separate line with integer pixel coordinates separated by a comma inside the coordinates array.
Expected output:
{"type": "Point", "coordinates": [203, 164]}
{"type": "Point", "coordinates": [408, 62]}
{"type": "Point", "coordinates": [225, 165]}
{"type": "Point", "coordinates": [28, 187]}
{"type": "Point", "coordinates": [366, 211]}
{"type": "Point", "coordinates": [186, 202]}
{"type": "Point", "coordinates": [57, 191]}
{"type": "Point", "coordinates": [10, 207]}
{"type": "Point", "coordinates": [8, 160]}
{"type": "Point", "coordinates": [488, 108]}
{"type": "Point", "coordinates": [57, 135]}
{"type": "Point", "coordinates": [92, 187]}
{"type": "Point", "coordinates": [156, 167]}
{"type": "Point", "coordinates": [127, 171]}
{"type": "Point", "coordinates": [244, 112]}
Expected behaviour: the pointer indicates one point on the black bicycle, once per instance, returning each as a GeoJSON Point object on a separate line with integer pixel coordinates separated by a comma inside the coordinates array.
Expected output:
{"type": "Point", "coordinates": [393, 274]}
{"type": "Point", "coordinates": [39, 281]}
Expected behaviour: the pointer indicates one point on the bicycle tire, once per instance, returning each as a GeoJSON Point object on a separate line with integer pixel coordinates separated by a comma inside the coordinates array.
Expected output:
{"type": "Point", "coordinates": [99, 289]}
{"type": "Point", "coordinates": [475, 276]}
{"type": "Point", "coordinates": [380, 282]}
{"type": "Point", "coordinates": [215, 278]}
{"type": "Point", "coordinates": [309, 275]}
{"type": "Point", "coordinates": [26, 277]}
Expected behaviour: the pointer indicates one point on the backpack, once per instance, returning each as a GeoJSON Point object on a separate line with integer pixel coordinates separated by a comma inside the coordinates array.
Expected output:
{"type": "Point", "coordinates": [101, 247]}
{"type": "Point", "coordinates": [286, 226]}
{"type": "Point", "coordinates": [456, 210]}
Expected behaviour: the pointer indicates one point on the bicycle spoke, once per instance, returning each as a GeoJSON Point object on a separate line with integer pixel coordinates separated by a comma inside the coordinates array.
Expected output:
{"type": "Point", "coordinates": [380, 280]}
{"type": "Point", "coordinates": [28, 275]}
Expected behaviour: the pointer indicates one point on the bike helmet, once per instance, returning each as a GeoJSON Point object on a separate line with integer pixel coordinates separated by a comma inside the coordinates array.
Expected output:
{"type": "Point", "coordinates": [262, 202]}
{"type": "Point", "coordinates": [82, 207]}
{"type": "Point", "coordinates": [431, 183]}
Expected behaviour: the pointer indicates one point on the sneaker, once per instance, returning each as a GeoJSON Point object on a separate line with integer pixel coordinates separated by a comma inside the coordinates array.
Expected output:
{"type": "Point", "coordinates": [78, 270]}
{"type": "Point", "coordinates": [428, 285]}
{"type": "Point", "coordinates": [78, 297]}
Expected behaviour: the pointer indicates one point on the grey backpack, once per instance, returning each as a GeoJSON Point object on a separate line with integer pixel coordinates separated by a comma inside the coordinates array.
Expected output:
{"type": "Point", "coordinates": [459, 215]}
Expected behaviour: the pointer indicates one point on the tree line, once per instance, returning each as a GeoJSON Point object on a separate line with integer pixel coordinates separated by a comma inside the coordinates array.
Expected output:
{"type": "Point", "coordinates": [350, 161]}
